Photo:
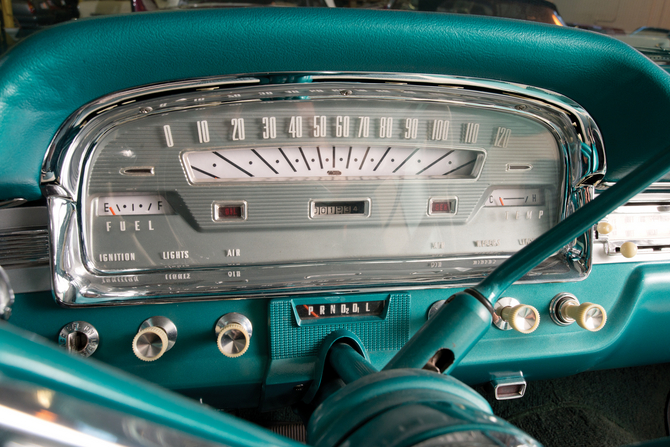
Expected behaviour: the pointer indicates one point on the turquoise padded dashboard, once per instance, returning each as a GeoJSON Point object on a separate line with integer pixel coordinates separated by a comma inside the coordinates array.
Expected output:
{"type": "Point", "coordinates": [51, 74]}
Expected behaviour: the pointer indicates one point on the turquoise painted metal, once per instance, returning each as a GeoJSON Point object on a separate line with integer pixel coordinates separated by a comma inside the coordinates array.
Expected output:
{"type": "Point", "coordinates": [194, 366]}
{"type": "Point", "coordinates": [290, 337]}
{"type": "Point", "coordinates": [142, 49]}
{"type": "Point", "coordinates": [33, 361]}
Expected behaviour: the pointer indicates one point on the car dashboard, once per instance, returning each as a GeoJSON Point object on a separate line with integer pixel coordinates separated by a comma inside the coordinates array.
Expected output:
{"type": "Point", "coordinates": [208, 208]}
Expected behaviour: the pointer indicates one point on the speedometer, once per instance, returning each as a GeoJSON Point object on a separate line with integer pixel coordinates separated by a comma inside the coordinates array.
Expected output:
{"type": "Point", "coordinates": [244, 190]}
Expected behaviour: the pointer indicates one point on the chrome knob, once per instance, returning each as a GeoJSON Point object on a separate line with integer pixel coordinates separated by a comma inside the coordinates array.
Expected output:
{"type": "Point", "coordinates": [565, 309]}
{"type": "Point", "coordinates": [79, 337]}
{"type": "Point", "coordinates": [514, 315]}
{"type": "Point", "coordinates": [233, 334]}
{"type": "Point", "coordinates": [156, 336]}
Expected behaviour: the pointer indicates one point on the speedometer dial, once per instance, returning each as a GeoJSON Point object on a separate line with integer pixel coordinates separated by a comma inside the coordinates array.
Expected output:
{"type": "Point", "coordinates": [298, 162]}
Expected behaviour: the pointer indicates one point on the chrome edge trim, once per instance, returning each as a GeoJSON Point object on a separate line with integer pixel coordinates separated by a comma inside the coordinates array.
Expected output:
{"type": "Point", "coordinates": [6, 296]}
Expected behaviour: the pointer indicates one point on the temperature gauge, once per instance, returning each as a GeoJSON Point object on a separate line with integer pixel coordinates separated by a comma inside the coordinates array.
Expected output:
{"type": "Point", "coordinates": [516, 197]}
{"type": "Point", "coordinates": [133, 205]}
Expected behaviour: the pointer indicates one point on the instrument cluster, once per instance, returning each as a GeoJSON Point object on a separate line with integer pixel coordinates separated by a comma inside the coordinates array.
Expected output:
{"type": "Point", "coordinates": [341, 183]}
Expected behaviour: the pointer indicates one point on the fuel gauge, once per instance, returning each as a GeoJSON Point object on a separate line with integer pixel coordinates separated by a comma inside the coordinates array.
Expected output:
{"type": "Point", "coordinates": [516, 197]}
{"type": "Point", "coordinates": [133, 205]}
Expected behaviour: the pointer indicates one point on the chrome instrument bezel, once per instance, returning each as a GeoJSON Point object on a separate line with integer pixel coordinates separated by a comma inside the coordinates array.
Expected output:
{"type": "Point", "coordinates": [75, 283]}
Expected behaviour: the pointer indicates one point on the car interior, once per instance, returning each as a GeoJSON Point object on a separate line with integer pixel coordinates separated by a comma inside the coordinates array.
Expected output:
{"type": "Point", "coordinates": [251, 226]}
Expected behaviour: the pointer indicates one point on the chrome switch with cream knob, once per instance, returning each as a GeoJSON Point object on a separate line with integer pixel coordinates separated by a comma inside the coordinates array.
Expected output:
{"type": "Point", "coordinates": [233, 334]}
{"type": "Point", "coordinates": [156, 336]}
{"type": "Point", "coordinates": [513, 315]}
{"type": "Point", "coordinates": [565, 309]}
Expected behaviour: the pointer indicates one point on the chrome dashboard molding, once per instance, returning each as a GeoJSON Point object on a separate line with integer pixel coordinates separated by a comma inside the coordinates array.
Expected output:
{"type": "Point", "coordinates": [76, 283]}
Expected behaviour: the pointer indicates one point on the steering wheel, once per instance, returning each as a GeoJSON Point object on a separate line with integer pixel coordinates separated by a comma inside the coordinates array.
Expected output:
{"type": "Point", "coordinates": [420, 406]}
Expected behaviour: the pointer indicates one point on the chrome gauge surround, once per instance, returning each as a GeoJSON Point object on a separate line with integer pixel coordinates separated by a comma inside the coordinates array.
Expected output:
{"type": "Point", "coordinates": [77, 280]}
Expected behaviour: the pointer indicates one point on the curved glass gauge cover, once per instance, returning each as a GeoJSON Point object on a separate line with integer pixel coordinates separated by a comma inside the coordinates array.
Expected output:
{"type": "Point", "coordinates": [337, 185]}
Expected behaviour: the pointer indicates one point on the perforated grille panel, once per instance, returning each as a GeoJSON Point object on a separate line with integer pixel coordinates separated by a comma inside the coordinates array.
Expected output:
{"type": "Point", "coordinates": [288, 340]}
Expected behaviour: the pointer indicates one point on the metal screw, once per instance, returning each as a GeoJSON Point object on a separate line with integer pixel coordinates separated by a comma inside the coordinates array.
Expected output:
{"type": "Point", "coordinates": [520, 107]}
{"type": "Point", "coordinates": [346, 92]}
{"type": "Point", "coordinates": [146, 109]}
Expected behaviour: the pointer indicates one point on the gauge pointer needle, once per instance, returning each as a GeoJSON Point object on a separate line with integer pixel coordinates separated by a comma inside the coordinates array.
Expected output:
{"type": "Point", "coordinates": [501, 202]}
{"type": "Point", "coordinates": [112, 210]}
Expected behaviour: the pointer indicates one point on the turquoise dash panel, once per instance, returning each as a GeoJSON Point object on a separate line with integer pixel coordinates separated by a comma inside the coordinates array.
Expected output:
{"type": "Point", "coordinates": [290, 340]}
